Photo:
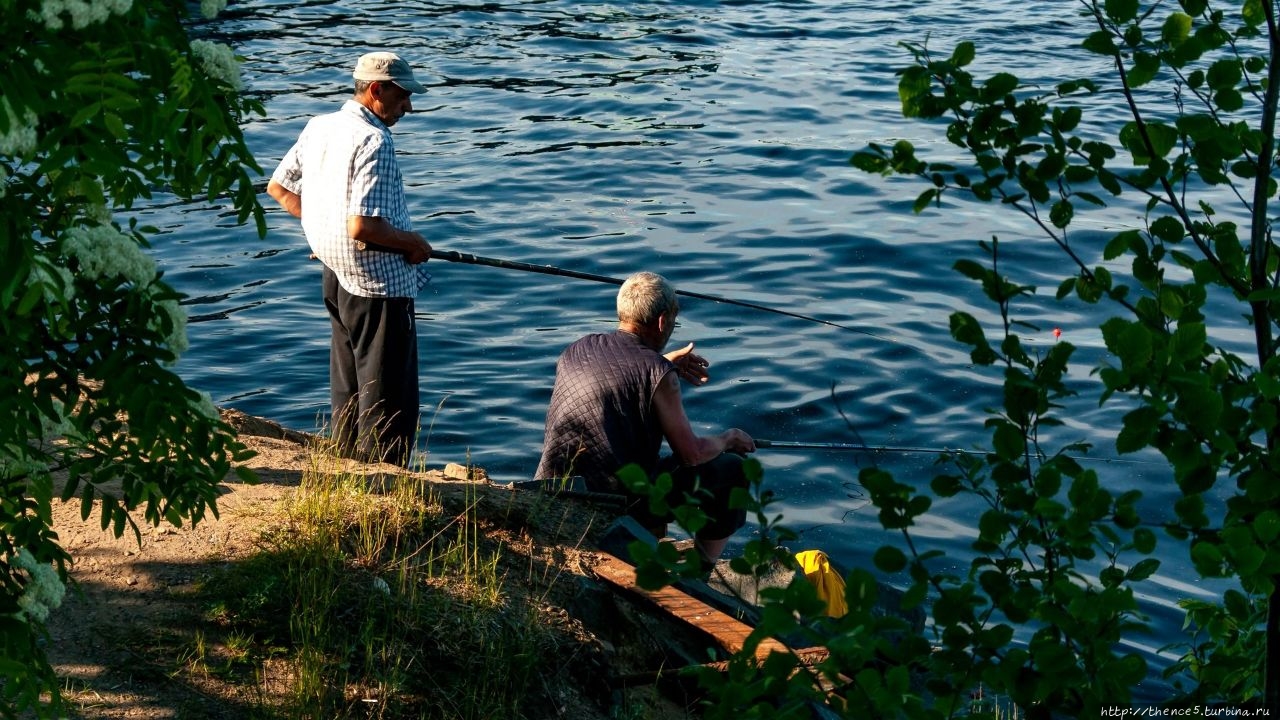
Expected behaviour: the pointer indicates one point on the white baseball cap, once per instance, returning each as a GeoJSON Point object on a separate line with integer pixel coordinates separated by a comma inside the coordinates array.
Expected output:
{"type": "Point", "coordinates": [387, 67]}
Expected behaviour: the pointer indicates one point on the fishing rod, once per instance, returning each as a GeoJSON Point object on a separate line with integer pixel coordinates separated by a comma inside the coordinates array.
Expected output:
{"type": "Point", "coordinates": [790, 445]}
{"type": "Point", "coordinates": [468, 259]}
{"type": "Point", "coordinates": [856, 447]}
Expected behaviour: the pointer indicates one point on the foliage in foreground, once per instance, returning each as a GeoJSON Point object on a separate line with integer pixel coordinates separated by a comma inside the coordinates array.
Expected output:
{"type": "Point", "coordinates": [105, 104]}
{"type": "Point", "coordinates": [1041, 611]}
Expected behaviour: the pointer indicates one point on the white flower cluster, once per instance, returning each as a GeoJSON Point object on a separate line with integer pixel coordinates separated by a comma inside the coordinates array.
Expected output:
{"type": "Point", "coordinates": [20, 138]}
{"type": "Point", "coordinates": [44, 590]}
{"type": "Point", "coordinates": [177, 338]}
{"type": "Point", "coordinates": [17, 462]}
{"type": "Point", "coordinates": [211, 8]}
{"type": "Point", "coordinates": [206, 407]}
{"type": "Point", "coordinates": [83, 13]}
{"type": "Point", "coordinates": [218, 62]}
{"type": "Point", "coordinates": [55, 282]}
{"type": "Point", "coordinates": [59, 425]}
{"type": "Point", "coordinates": [106, 252]}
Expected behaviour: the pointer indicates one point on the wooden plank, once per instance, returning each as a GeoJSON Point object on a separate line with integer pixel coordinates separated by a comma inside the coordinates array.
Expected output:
{"type": "Point", "coordinates": [727, 632]}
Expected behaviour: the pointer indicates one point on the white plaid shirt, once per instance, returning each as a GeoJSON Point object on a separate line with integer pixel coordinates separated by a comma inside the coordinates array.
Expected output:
{"type": "Point", "coordinates": [344, 163]}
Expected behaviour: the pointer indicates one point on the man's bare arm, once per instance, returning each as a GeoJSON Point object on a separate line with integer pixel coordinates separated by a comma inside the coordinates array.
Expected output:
{"type": "Point", "coordinates": [289, 200]}
{"type": "Point", "coordinates": [689, 447]}
{"type": "Point", "coordinates": [376, 231]}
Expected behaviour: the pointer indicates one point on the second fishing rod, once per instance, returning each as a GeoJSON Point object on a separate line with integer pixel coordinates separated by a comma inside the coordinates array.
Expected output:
{"type": "Point", "coordinates": [469, 259]}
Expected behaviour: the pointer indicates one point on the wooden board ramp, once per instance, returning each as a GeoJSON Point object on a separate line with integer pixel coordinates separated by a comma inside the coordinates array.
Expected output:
{"type": "Point", "coordinates": [728, 633]}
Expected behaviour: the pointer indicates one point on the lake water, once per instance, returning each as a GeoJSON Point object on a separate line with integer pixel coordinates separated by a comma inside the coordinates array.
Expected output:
{"type": "Point", "coordinates": [705, 141]}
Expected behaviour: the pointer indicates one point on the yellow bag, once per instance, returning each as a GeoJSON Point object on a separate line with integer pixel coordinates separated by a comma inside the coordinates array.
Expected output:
{"type": "Point", "coordinates": [829, 584]}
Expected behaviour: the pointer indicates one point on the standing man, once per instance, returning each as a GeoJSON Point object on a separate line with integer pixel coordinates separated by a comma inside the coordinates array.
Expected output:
{"type": "Point", "coordinates": [342, 179]}
{"type": "Point", "coordinates": [616, 397]}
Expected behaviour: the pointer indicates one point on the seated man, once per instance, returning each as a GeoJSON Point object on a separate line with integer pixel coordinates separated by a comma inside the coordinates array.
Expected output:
{"type": "Point", "coordinates": [617, 396]}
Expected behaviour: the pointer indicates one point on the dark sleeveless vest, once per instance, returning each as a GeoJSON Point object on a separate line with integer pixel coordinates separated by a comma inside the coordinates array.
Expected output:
{"type": "Point", "coordinates": [601, 415]}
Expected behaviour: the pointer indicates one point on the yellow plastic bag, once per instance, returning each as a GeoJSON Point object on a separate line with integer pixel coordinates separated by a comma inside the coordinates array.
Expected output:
{"type": "Point", "coordinates": [830, 586]}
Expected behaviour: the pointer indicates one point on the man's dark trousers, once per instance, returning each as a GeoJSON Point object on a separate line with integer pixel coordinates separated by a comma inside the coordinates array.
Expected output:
{"type": "Point", "coordinates": [373, 374]}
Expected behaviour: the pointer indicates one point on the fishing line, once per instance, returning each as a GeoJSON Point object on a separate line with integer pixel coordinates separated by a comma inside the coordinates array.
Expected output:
{"type": "Point", "coordinates": [857, 447]}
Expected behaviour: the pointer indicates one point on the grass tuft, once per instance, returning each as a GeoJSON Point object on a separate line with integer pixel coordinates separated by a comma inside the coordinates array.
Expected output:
{"type": "Point", "coordinates": [379, 601]}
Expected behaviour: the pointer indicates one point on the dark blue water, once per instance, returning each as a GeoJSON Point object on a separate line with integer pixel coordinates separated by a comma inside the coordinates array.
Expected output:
{"type": "Point", "coordinates": [705, 141]}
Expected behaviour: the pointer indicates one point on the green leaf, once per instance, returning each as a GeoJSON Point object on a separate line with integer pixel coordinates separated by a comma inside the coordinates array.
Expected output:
{"type": "Point", "coordinates": [963, 54]}
{"type": "Point", "coordinates": [1163, 138]}
{"type": "Point", "coordinates": [106, 505]}
{"type": "Point", "coordinates": [1148, 141]}
{"type": "Point", "coordinates": [1133, 36]}
{"type": "Point", "coordinates": [1061, 213]}
{"type": "Point", "coordinates": [971, 270]}
{"type": "Point", "coordinates": [1168, 228]}
{"type": "Point", "coordinates": [1100, 42]}
{"type": "Point", "coordinates": [1207, 559]}
{"type": "Point", "coordinates": [946, 485]}
{"type": "Point", "coordinates": [1008, 441]}
{"type": "Point", "coordinates": [1177, 27]}
{"type": "Point", "coordinates": [871, 161]}
{"type": "Point", "coordinates": [913, 90]}
{"type": "Point", "coordinates": [999, 85]}
{"type": "Point", "coordinates": [1142, 570]}
{"type": "Point", "coordinates": [1246, 169]}
{"type": "Point", "coordinates": [993, 526]}
{"type": "Point", "coordinates": [86, 501]}
{"type": "Point", "coordinates": [1267, 526]}
{"type": "Point", "coordinates": [1171, 302]}
{"type": "Point", "coordinates": [1144, 541]}
{"type": "Point", "coordinates": [890, 559]}
{"type": "Point", "coordinates": [1111, 577]}
{"type": "Point", "coordinates": [115, 126]}
{"type": "Point", "coordinates": [1121, 11]}
{"type": "Point", "coordinates": [995, 637]}
{"type": "Point", "coordinates": [1081, 174]}
{"type": "Point", "coordinates": [1253, 13]}
{"type": "Point", "coordinates": [965, 329]}
{"type": "Point", "coordinates": [1065, 287]}
{"type": "Point", "coordinates": [1229, 100]}
{"type": "Point", "coordinates": [1128, 340]}
{"type": "Point", "coordinates": [85, 113]}
{"type": "Point", "coordinates": [924, 199]}
{"type": "Point", "coordinates": [1091, 199]}
{"type": "Point", "coordinates": [1145, 68]}
{"type": "Point", "coordinates": [1108, 181]}
{"type": "Point", "coordinates": [1138, 431]}
{"type": "Point", "coordinates": [1051, 166]}
{"type": "Point", "coordinates": [1224, 74]}
{"type": "Point", "coordinates": [1189, 340]}
{"type": "Point", "coordinates": [1067, 120]}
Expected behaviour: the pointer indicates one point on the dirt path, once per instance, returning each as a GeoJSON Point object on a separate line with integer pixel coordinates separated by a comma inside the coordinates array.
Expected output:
{"type": "Point", "coordinates": [132, 607]}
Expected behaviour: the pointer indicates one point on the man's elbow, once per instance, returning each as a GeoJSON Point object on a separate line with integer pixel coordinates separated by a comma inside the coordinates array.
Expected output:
{"type": "Point", "coordinates": [276, 191]}
{"type": "Point", "coordinates": [695, 452]}
{"type": "Point", "coordinates": [289, 200]}
{"type": "Point", "coordinates": [360, 227]}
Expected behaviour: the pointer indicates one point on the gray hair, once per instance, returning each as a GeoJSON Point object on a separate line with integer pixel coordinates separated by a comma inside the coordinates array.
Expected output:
{"type": "Point", "coordinates": [644, 297]}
